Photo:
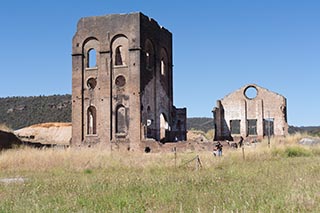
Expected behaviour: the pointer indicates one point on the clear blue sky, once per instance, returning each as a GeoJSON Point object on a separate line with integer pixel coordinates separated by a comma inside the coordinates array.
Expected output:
{"type": "Point", "coordinates": [219, 46]}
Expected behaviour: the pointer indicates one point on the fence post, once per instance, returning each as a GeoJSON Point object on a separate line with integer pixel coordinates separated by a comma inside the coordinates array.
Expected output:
{"type": "Point", "coordinates": [175, 157]}
{"type": "Point", "coordinates": [243, 156]}
{"type": "Point", "coordinates": [197, 163]}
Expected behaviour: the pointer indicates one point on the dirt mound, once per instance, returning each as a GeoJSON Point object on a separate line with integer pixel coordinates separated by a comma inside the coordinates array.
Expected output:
{"type": "Point", "coordinates": [46, 133]}
{"type": "Point", "coordinates": [48, 125]}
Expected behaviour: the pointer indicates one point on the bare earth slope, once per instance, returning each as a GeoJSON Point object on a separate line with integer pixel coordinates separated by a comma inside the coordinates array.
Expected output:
{"type": "Point", "coordinates": [46, 133]}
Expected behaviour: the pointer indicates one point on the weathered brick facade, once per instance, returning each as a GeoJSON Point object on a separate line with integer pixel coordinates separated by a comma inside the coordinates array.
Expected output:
{"type": "Point", "coordinates": [251, 111]}
{"type": "Point", "coordinates": [122, 82]}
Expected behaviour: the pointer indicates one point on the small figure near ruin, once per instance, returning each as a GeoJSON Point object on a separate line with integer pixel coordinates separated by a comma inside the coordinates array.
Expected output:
{"type": "Point", "coordinates": [214, 151]}
{"type": "Point", "coordinates": [219, 148]}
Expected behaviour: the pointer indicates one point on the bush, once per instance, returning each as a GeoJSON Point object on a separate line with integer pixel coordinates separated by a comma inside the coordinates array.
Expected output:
{"type": "Point", "coordinates": [292, 151]}
{"type": "Point", "coordinates": [297, 152]}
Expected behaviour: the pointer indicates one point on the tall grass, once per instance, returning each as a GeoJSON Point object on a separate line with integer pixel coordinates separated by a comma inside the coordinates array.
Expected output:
{"type": "Point", "coordinates": [95, 180]}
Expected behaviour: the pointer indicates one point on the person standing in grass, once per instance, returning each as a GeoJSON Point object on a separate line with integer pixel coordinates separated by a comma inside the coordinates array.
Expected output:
{"type": "Point", "coordinates": [219, 148]}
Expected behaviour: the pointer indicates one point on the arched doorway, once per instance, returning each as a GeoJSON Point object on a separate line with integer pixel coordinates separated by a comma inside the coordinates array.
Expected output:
{"type": "Point", "coordinates": [92, 121]}
{"type": "Point", "coordinates": [163, 127]}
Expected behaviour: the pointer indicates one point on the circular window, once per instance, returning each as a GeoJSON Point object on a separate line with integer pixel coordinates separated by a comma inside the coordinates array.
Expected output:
{"type": "Point", "coordinates": [251, 92]}
{"type": "Point", "coordinates": [91, 83]}
{"type": "Point", "coordinates": [120, 81]}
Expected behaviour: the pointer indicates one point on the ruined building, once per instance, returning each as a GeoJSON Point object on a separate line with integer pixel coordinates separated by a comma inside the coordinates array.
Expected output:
{"type": "Point", "coordinates": [251, 111]}
{"type": "Point", "coordinates": [122, 82]}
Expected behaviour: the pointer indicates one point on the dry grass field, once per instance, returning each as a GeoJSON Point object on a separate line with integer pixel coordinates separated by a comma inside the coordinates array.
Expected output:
{"type": "Point", "coordinates": [282, 178]}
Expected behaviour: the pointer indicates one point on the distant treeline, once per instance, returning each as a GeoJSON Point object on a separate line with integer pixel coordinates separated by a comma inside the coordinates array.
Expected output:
{"type": "Point", "coordinates": [19, 112]}
{"type": "Point", "coordinates": [201, 123]}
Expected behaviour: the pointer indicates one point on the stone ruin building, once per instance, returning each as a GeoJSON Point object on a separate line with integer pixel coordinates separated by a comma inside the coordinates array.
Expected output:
{"type": "Point", "coordinates": [122, 86]}
{"type": "Point", "coordinates": [251, 111]}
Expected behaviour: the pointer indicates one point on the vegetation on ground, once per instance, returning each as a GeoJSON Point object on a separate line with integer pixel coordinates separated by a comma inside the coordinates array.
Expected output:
{"type": "Point", "coordinates": [282, 178]}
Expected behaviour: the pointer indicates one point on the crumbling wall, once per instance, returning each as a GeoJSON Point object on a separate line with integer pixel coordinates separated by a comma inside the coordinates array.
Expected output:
{"type": "Point", "coordinates": [250, 111]}
{"type": "Point", "coordinates": [121, 81]}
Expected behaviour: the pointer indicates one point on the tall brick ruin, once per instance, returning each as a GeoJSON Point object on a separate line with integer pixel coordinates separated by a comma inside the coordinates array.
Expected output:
{"type": "Point", "coordinates": [122, 86]}
{"type": "Point", "coordinates": [251, 111]}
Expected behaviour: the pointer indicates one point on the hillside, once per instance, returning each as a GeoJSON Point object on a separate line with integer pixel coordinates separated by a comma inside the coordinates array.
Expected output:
{"type": "Point", "coordinates": [201, 123]}
{"type": "Point", "coordinates": [19, 112]}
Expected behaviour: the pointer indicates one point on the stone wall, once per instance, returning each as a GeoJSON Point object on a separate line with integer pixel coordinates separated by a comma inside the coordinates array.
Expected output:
{"type": "Point", "coordinates": [251, 111]}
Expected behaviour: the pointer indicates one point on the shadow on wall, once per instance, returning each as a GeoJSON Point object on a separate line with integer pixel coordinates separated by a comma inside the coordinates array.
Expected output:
{"type": "Point", "coordinates": [222, 130]}
{"type": "Point", "coordinates": [226, 132]}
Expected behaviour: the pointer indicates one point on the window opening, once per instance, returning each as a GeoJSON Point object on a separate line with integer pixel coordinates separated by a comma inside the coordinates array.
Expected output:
{"type": "Point", "coordinates": [252, 127]}
{"type": "Point", "coordinates": [147, 149]}
{"type": "Point", "coordinates": [164, 126]}
{"type": "Point", "coordinates": [91, 83]}
{"type": "Point", "coordinates": [92, 120]}
{"type": "Point", "coordinates": [118, 58]}
{"type": "Point", "coordinates": [121, 126]}
{"type": "Point", "coordinates": [268, 124]}
{"type": "Point", "coordinates": [251, 92]}
{"type": "Point", "coordinates": [120, 81]}
{"type": "Point", "coordinates": [163, 67]}
{"type": "Point", "coordinates": [235, 126]}
{"type": "Point", "coordinates": [148, 59]}
{"type": "Point", "coordinates": [149, 55]}
{"type": "Point", "coordinates": [92, 58]}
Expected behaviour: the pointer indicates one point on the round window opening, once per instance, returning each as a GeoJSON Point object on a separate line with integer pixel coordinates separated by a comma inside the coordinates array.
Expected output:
{"type": "Point", "coordinates": [92, 83]}
{"type": "Point", "coordinates": [120, 81]}
{"type": "Point", "coordinates": [251, 92]}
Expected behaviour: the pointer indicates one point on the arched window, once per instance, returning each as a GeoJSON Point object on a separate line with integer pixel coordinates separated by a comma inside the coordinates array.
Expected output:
{"type": "Point", "coordinates": [91, 121]}
{"type": "Point", "coordinates": [92, 58]}
{"type": "Point", "coordinates": [163, 67]}
{"type": "Point", "coordinates": [120, 51]}
{"type": "Point", "coordinates": [149, 51]}
{"type": "Point", "coordinates": [148, 60]}
{"type": "Point", "coordinates": [121, 118]}
{"type": "Point", "coordinates": [164, 62]}
{"type": "Point", "coordinates": [164, 126]}
{"type": "Point", "coordinates": [91, 49]}
{"type": "Point", "coordinates": [119, 56]}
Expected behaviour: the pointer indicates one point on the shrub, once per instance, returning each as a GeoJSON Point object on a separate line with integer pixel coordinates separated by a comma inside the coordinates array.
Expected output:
{"type": "Point", "coordinates": [297, 152]}
{"type": "Point", "coordinates": [88, 171]}
{"type": "Point", "coordinates": [291, 151]}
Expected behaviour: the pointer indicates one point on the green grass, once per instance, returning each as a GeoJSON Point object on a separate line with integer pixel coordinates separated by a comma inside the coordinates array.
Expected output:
{"type": "Point", "coordinates": [294, 151]}
{"type": "Point", "coordinates": [96, 181]}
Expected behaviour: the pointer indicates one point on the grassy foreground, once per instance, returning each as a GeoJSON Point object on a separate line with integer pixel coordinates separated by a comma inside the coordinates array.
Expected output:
{"type": "Point", "coordinates": [284, 178]}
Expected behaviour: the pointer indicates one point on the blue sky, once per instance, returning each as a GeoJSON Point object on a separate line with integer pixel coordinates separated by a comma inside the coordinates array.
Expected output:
{"type": "Point", "coordinates": [219, 46]}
